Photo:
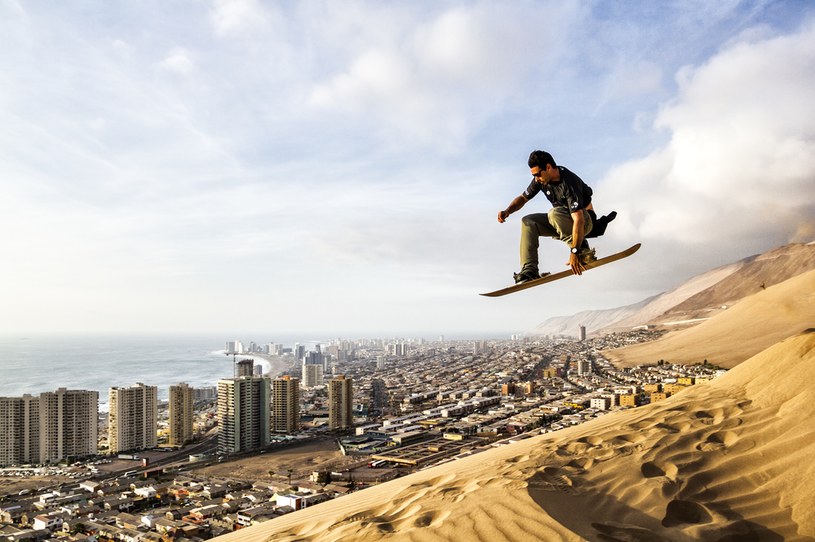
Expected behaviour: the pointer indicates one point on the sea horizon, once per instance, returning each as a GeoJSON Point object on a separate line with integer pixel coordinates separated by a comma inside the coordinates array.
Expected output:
{"type": "Point", "coordinates": [33, 363]}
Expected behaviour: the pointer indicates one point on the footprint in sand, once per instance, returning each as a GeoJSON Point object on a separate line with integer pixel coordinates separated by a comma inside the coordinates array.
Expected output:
{"type": "Point", "coordinates": [580, 463]}
{"type": "Point", "coordinates": [431, 519]}
{"type": "Point", "coordinates": [651, 469]}
{"type": "Point", "coordinates": [551, 479]}
{"type": "Point", "coordinates": [593, 440]}
{"type": "Point", "coordinates": [681, 512]}
{"type": "Point", "coordinates": [720, 440]}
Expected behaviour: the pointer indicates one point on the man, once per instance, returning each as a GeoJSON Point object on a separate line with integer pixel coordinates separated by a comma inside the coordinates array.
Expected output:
{"type": "Point", "coordinates": [571, 218]}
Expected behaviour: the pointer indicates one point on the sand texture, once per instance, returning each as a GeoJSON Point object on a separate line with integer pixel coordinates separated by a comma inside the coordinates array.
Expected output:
{"type": "Point", "coordinates": [729, 460]}
{"type": "Point", "coordinates": [748, 327]}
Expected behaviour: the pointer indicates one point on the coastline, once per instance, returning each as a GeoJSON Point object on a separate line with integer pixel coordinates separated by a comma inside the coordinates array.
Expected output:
{"type": "Point", "coordinates": [272, 365]}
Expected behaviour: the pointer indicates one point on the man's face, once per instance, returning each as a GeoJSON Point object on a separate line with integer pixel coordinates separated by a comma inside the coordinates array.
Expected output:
{"type": "Point", "coordinates": [542, 175]}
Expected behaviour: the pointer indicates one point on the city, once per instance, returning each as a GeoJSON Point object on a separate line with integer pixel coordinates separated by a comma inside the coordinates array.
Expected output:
{"type": "Point", "coordinates": [386, 407]}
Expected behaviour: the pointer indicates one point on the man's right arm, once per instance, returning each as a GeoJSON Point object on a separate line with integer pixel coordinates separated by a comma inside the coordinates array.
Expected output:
{"type": "Point", "coordinates": [514, 205]}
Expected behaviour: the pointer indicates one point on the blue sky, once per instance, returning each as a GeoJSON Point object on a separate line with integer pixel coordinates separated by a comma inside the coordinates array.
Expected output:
{"type": "Point", "coordinates": [337, 167]}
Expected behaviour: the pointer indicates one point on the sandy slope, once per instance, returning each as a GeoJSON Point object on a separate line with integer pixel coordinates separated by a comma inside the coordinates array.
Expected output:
{"type": "Point", "coordinates": [728, 460]}
{"type": "Point", "coordinates": [748, 327]}
{"type": "Point", "coordinates": [699, 297]}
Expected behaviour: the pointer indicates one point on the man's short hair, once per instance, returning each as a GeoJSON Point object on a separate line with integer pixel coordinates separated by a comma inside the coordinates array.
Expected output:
{"type": "Point", "coordinates": [540, 159]}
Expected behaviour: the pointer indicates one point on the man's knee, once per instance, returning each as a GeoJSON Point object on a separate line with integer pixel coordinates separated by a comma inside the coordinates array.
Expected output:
{"type": "Point", "coordinates": [527, 221]}
{"type": "Point", "coordinates": [534, 221]}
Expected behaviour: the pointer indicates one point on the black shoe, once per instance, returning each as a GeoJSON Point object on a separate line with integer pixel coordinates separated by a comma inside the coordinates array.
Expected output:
{"type": "Point", "coordinates": [587, 255]}
{"type": "Point", "coordinates": [526, 275]}
{"type": "Point", "coordinates": [600, 224]}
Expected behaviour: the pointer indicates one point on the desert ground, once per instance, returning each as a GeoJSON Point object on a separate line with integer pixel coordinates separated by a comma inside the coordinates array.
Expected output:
{"type": "Point", "coordinates": [275, 466]}
{"type": "Point", "coordinates": [10, 485]}
{"type": "Point", "coordinates": [726, 460]}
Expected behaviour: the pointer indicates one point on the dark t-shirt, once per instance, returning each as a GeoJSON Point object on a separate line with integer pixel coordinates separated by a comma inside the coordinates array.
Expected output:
{"type": "Point", "coordinates": [571, 192]}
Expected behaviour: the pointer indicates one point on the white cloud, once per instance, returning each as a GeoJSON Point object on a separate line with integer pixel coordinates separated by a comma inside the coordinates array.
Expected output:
{"type": "Point", "coordinates": [178, 61]}
{"type": "Point", "coordinates": [739, 168]}
{"type": "Point", "coordinates": [437, 82]}
{"type": "Point", "coordinates": [232, 17]}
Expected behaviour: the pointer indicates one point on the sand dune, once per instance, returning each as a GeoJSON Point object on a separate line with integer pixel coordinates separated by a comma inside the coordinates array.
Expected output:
{"type": "Point", "coordinates": [741, 331]}
{"type": "Point", "coordinates": [730, 460]}
{"type": "Point", "coordinates": [698, 297]}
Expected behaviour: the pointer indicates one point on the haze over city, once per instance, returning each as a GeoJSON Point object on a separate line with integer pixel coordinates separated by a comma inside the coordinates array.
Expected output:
{"type": "Point", "coordinates": [337, 167]}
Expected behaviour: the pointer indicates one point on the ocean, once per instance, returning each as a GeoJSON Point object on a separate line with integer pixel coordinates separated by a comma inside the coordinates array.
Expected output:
{"type": "Point", "coordinates": [35, 364]}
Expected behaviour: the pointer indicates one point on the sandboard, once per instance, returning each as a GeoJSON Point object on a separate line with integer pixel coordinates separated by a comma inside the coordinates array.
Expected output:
{"type": "Point", "coordinates": [563, 274]}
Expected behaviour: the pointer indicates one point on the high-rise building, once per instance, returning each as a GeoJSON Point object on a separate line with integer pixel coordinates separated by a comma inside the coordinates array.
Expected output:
{"type": "Point", "coordinates": [584, 366]}
{"type": "Point", "coordinates": [379, 396]}
{"type": "Point", "coordinates": [244, 413]}
{"type": "Point", "coordinates": [68, 424]}
{"type": "Point", "coordinates": [245, 367]}
{"type": "Point", "coordinates": [234, 347]}
{"type": "Point", "coordinates": [340, 403]}
{"type": "Point", "coordinates": [582, 330]}
{"type": "Point", "coordinates": [181, 415]}
{"type": "Point", "coordinates": [133, 418]}
{"type": "Point", "coordinates": [48, 428]}
{"type": "Point", "coordinates": [206, 393]}
{"type": "Point", "coordinates": [312, 375]}
{"type": "Point", "coordinates": [19, 430]}
{"type": "Point", "coordinates": [285, 405]}
{"type": "Point", "coordinates": [399, 349]}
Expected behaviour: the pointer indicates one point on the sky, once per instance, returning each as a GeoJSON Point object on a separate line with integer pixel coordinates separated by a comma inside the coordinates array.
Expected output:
{"type": "Point", "coordinates": [336, 168]}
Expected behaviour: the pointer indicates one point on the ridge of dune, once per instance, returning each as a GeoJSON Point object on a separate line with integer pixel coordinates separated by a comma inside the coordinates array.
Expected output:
{"type": "Point", "coordinates": [699, 297]}
{"type": "Point", "coordinates": [665, 302]}
{"type": "Point", "coordinates": [724, 460]}
{"type": "Point", "coordinates": [756, 273]}
{"type": "Point", "coordinates": [735, 334]}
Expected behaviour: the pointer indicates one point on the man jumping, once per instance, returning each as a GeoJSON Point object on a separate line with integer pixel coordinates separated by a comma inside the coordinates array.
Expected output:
{"type": "Point", "coordinates": [571, 218]}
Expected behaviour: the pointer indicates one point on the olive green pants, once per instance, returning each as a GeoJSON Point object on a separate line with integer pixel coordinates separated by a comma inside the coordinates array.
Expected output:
{"type": "Point", "coordinates": [557, 224]}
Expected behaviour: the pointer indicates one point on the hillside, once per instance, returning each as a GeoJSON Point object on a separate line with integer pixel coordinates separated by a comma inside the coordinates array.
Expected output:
{"type": "Point", "coordinates": [725, 460]}
{"type": "Point", "coordinates": [700, 297]}
{"type": "Point", "coordinates": [736, 333]}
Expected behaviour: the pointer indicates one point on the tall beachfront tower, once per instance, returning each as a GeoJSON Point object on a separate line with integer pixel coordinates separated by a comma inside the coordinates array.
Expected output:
{"type": "Point", "coordinates": [133, 421]}
{"type": "Point", "coordinates": [48, 428]}
{"type": "Point", "coordinates": [19, 430]}
{"type": "Point", "coordinates": [69, 424]}
{"type": "Point", "coordinates": [340, 403]}
{"type": "Point", "coordinates": [244, 413]}
{"type": "Point", "coordinates": [182, 399]}
{"type": "Point", "coordinates": [285, 405]}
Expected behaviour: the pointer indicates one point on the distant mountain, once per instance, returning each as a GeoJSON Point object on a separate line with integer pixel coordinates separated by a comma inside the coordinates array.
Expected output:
{"type": "Point", "coordinates": [695, 300]}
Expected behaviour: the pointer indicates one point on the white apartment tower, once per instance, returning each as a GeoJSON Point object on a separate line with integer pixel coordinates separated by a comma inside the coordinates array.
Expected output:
{"type": "Point", "coordinates": [182, 400]}
{"type": "Point", "coordinates": [340, 403]}
{"type": "Point", "coordinates": [48, 428]}
{"type": "Point", "coordinates": [244, 413]}
{"type": "Point", "coordinates": [312, 375]}
{"type": "Point", "coordinates": [234, 347]}
{"type": "Point", "coordinates": [68, 424]}
{"type": "Point", "coordinates": [285, 405]}
{"type": "Point", "coordinates": [133, 421]}
{"type": "Point", "coordinates": [19, 430]}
